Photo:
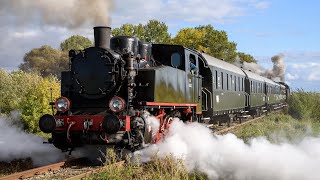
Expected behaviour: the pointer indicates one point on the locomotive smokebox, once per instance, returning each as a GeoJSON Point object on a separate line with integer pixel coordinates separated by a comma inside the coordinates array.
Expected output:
{"type": "Point", "coordinates": [102, 35]}
{"type": "Point", "coordinates": [111, 124]}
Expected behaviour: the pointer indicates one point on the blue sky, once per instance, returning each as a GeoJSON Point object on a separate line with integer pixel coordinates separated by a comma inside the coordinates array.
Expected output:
{"type": "Point", "coordinates": [262, 28]}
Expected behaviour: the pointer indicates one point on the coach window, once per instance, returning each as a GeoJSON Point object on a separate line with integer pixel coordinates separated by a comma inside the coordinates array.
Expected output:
{"type": "Point", "coordinates": [235, 83]}
{"type": "Point", "coordinates": [238, 83]}
{"type": "Point", "coordinates": [227, 81]}
{"type": "Point", "coordinates": [231, 82]}
{"type": "Point", "coordinates": [222, 84]}
{"type": "Point", "coordinates": [214, 80]}
{"type": "Point", "coordinates": [259, 87]}
{"type": "Point", "coordinates": [217, 80]}
{"type": "Point", "coordinates": [241, 84]}
{"type": "Point", "coordinates": [175, 60]}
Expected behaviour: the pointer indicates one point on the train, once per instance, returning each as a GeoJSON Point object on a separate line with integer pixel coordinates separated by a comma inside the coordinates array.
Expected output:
{"type": "Point", "coordinates": [110, 86]}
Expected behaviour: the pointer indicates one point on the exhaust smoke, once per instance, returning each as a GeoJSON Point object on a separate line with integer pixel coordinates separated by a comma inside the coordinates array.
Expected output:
{"type": "Point", "coordinates": [16, 144]}
{"type": "Point", "coordinates": [276, 73]}
{"type": "Point", "coordinates": [229, 157]}
{"type": "Point", "coordinates": [69, 13]}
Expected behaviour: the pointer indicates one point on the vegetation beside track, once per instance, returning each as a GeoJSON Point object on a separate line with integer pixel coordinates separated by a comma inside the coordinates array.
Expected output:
{"type": "Point", "coordinates": [28, 95]}
{"type": "Point", "coordinates": [278, 128]}
{"type": "Point", "coordinates": [300, 120]}
{"type": "Point", "coordinates": [165, 168]}
{"type": "Point", "coordinates": [16, 165]}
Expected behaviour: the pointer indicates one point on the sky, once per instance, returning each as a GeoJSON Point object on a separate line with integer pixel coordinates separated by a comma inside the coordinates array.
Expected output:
{"type": "Point", "coordinates": [262, 28]}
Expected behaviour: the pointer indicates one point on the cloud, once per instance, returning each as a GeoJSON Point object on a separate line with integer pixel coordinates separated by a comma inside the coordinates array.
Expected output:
{"type": "Point", "coordinates": [304, 75]}
{"type": "Point", "coordinates": [309, 71]}
{"type": "Point", "coordinates": [25, 34]}
{"type": "Point", "coordinates": [314, 76]}
{"type": "Point", "coordinates": [188, 11]}
{"type": "Point", "coordinates": [262, 5]}
{"type": "Point", "coordinates": [290, 77]}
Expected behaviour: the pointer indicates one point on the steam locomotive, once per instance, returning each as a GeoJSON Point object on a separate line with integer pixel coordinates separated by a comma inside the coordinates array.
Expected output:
{"type": "Point", "coordinates": [109, 88]}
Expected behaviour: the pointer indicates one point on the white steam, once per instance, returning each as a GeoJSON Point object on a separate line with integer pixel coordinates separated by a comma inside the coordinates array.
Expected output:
{"type": "Point", "coordinates": [67, 13]}
{"type": "Point", "coordinates": [15, 144]}
{"type": "Point", "coordinates": [276, 73]}
{"type": "Point", "coordinates": [229, 157]}
{"type": "Point", "coordinates": [152, 122]}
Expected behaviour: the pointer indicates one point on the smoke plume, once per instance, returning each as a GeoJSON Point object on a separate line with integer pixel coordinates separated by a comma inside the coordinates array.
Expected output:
{"type": "Point", "coordinates": [228, 157]}
{"type": "Point", "coordinates": [276, 73]}
{"type": "Point", "coordinates": [67, 13]}
{"type": "Point", "coordinates": [16, 144]}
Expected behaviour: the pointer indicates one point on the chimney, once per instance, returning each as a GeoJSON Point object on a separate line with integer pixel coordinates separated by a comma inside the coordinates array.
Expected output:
{"type": "Point", "coordinates": [102, 35]}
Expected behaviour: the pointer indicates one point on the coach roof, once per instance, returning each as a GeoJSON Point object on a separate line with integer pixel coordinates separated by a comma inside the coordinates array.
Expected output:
{"type": "Point", "coordinates": [222, 64]}
{"type": "Point", "coordinates": [257, 77]}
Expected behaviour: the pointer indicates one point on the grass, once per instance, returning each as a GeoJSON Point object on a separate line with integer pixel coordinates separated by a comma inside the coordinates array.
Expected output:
{"type": "Point", "coordinates": [279, 127]}
{"type": "Point", "coordinates": [302, 119]}
{"type": "Point", "coordinates": [165, 168]}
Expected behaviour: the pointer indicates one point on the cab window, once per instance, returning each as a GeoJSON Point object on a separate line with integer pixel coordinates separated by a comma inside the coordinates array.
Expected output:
{"type": "Point", "coordinates": [175, 60]}
{"type": "Point", "coordinates": [193, 64]}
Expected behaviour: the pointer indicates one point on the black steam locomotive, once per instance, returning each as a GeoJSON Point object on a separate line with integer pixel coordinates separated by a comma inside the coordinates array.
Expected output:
{"type": "Point", "coordinates": [109, 88]}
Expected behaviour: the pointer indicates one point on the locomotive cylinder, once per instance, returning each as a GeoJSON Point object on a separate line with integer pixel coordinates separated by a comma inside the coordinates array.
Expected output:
{"type": "Point", "coordinates": [47, 123]}
{"type": "Point", "coordinates": [111, 124]}
{"type": "Point", "coordinates": [102, 35]}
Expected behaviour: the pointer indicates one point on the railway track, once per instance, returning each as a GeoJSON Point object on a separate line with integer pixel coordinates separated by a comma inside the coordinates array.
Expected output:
{"type": "Point", "coordinates": [59, 170]}
{"type": "Point", "coordinates": [238, 125]}
{"type": "Point", "coordinates": [225, 129]}
{"type": "Point", "coordinates": [33, 172]}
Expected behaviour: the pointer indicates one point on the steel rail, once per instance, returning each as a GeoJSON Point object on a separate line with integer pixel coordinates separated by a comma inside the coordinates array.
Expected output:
{"type": "Point", "coordinates": [225, 130]}
{"type": "Point", "coordinates": [33, 172]}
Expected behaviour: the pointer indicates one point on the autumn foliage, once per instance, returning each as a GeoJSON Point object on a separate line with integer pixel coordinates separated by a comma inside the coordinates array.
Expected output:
{"type": "Point", "coordinates": [28, 94]}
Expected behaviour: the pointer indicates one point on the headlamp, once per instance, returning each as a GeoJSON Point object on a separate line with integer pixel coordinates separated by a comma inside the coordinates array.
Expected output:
{"type": "Point", "coordinates": [116, 104]}
{"type": "Point", "coordinates": [62, 104]}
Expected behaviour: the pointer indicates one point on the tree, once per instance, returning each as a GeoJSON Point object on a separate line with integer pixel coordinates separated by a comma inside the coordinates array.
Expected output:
{"type": "Point", "coordinates": [29, 94]}
{"type": "Point", "coordinates": [246, 58]}
{"type": "Point", "coordinates": [75, 42]}
{"type": "Point", "coordinates": [209, 40]}
{"type": "Point", "coordinates": [157, 32]}
{"type": "Point", "coordinates": [125, 30]}
{"type": "Point", "coordinates": [191, 38]}
{"type": "Point", "coordinates": [154, 31]}
{"type": "Point", "coordinates": [45, 61]}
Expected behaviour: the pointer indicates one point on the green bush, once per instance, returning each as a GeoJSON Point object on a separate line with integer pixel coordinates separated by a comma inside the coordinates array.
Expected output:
{"type": "Point", "coordinates": [305, 105]}
{"type": "Point", "coordinates": [28, 93]}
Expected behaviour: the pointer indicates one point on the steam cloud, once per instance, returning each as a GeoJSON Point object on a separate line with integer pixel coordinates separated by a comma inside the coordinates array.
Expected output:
{"type": "Point", "coordinates": [229, 157]}
{"type": "Point", "coordinates": [276, 73]}
{"type": "Point", "coordinates": [67, 13]}
{"type": "Point", "coordinates": [15, 144]}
